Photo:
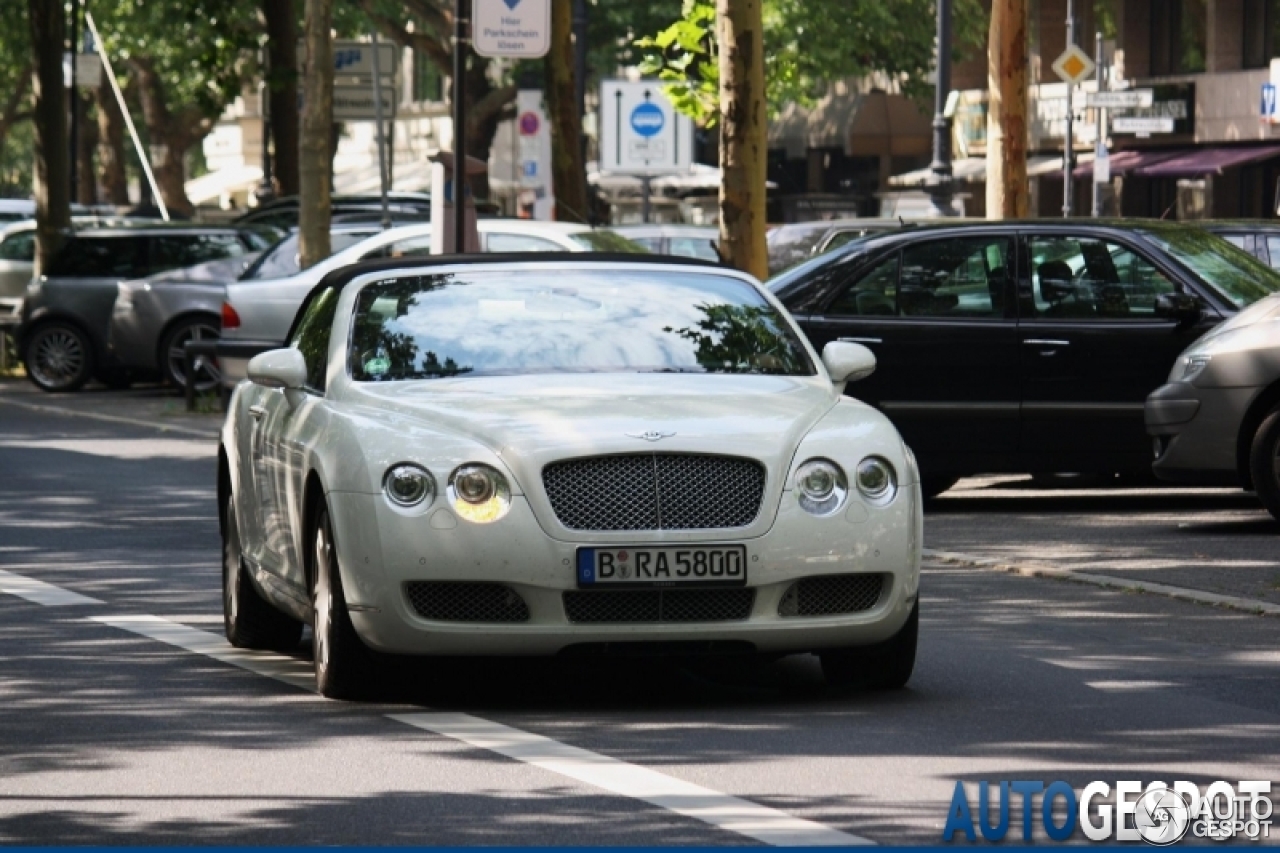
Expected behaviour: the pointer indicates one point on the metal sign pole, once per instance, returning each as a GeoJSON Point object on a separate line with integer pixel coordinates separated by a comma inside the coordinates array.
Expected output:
{"type": "Point", "coordinates": [460, 10]}
{"type": "Point", "coordinates": [1067, 137]}
{"type": "Point", "coordinates": [1100, 141]}
{"type": "Point", "coordinates": [378, 138]}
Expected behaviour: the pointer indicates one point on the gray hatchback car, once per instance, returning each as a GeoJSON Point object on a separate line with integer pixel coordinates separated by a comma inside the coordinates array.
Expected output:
{"type": "Point", "coordinates": [65, 336]}
{"type": "Point", "coordinates": [1217, 420]}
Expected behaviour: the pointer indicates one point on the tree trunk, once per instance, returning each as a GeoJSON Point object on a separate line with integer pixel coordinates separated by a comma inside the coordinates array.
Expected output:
{"type": "Point", "coordinates": [52, 149]}
{"type": "Point", "coordinates": [86, 142]}
{"type": "Point", "coordinates": [568, 175]}
{"type": "Point", "coordinates": [282, 61]}
{"type": "Point", "coordinates": [1007, 62]}
{"type": "Point", "coordinates": [743, 142]}
{"type": "Point", "coordinates": [315, 158]}
{"type": "Point", "coordinates": [169, 136]}
{"type": "Point", "coordinates": [111, 150]}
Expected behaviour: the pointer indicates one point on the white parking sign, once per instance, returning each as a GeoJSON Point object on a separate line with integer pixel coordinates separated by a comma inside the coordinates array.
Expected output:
{"type": "Point", "coordinates": [640, 131]}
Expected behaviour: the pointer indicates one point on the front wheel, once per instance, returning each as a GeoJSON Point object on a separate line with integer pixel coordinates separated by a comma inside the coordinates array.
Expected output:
{"type": "Point", "coordinates": [59, 357]}
{"type": "Point", "coordinates": [1264, 463]}
{"type": "Point", "coordinates": [345, 666]}
{"type": "Point", "coordinates": [173, 356]}
{"type": "Point", "coordinates": [250, 622]}
{"type": "Point", "coordinates": [884, 666]}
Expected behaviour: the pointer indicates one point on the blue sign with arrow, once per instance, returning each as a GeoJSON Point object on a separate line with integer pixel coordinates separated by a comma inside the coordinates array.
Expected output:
{"type": "Point", "coordinates": [647, 119]}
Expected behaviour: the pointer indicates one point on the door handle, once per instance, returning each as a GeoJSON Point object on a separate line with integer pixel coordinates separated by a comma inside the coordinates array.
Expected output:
{"type": "Point", "coordinates": [1045, 342]}
{"type": "Point", "coordinates": [860, 340]}
{"type": "Point", "coordinates": [257, 411]}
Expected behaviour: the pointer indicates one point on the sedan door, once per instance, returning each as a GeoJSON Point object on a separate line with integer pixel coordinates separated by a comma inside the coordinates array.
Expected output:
{"type": "Point", "coordinates": [1093, 348]}
{"type": "Point", "coordinates": [937, 315]}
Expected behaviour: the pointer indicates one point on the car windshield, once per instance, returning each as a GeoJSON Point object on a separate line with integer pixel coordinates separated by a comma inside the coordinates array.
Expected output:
{"type": "Point", "coordinates": [782, 284]}
{"type": "Point", "coordinates": [1234, 273]}
{"type": "Point", "coordinates": [607, 241]}
{"type": "Point", "coordinates": [281, 261]}
{"type": "Point", "coordinates": [491, 322]}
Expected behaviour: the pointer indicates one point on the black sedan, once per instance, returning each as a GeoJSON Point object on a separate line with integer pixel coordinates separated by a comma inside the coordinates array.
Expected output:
{"type": "Point", "coordinates": [1023, 346]}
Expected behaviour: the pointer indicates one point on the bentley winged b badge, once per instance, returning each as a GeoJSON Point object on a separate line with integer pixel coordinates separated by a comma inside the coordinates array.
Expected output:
{"type": "Point", "coordinates": [651, 435]}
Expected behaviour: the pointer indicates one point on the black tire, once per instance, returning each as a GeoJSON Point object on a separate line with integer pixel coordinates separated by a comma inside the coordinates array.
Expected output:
{"type": "Point", "coordinates": [250, 622]}
{"type": "Point", "coordinates": [58, 357]}
{"type": "Point", "coordinates": [884, 666]}
{"type": "Point", "coordinates": [931, 487]}
{"type": "Point", "coordinates": [172, 359]}
{"type": "Point", "coordinates": [345, 667]}
{"type": "Point", "coordinates": [1264, 463]}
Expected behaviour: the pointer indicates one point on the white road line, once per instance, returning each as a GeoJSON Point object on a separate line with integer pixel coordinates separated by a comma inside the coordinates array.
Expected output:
{"type": "Point", "coordinates": [291, 671]}
{"type": "Point", "coordinates": [720, 810]}
{"type": "Point", "coordinates": [115, 419]}
{"type": "Point", "coordinates": [39, 592]}
{"type": "Point", "coordinates": [618, 777]}
{"type": "Point", "coordinates": [1129, 685]}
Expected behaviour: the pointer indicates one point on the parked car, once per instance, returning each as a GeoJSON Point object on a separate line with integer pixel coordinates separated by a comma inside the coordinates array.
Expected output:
{"type": "Point", "coordinates": [1217, 420]}
{"type": "Point", "coordinates": [591, 452]}
{"type": "Point", "coordinates": [67, 313]}
{"type": "Point", "coordinates": [16, 209]}
{"type": "Point", "coordinates": [685, 241]}
{"type": "Point", "coordinates": [1258, 237]}
{"type": "Point", "coordinates": [257, 312]}
{"type": "Point", "coordinates": [283, 212]}
{"type": "Point", "coordinates": [797, 241]}
{"type": "Point", "coordinates": [1023, 346]}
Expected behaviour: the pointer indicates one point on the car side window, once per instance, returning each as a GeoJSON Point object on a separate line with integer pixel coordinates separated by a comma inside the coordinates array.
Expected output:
{"type": "Point", "coordinates": [963, 277]}
{"type": "Point", "coordinates": [520, 243]}
{"type": "Point", "coordinates": [108, 256]}
{"type": "Point", "coordinates": [19, 247]}
{"type": "Point", "coordinates": [1082, 278]}
{"type": "Point", "coordinates": [174, 251]}
{"type": "Point", "coordinates": [875, 293]}
{"type": "Point", "coordinates": [409, 247]}
{"type": "Point", "coordinates": [1273, 251]}
{"type": "Point", "coordinates": [312, 336]}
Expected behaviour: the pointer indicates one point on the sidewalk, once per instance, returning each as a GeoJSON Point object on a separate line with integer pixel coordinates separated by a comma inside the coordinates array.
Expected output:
{"type": "Point", "coordinates": [154, 406]}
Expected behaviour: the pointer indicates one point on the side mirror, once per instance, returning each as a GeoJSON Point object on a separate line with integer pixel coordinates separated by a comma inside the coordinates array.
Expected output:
{"type": "Point", "coordinates": [848, 362]}
{"type": "Point", "coordinates": [278, 368]}
{"type": "Point", "coordinates": [1181, 307]}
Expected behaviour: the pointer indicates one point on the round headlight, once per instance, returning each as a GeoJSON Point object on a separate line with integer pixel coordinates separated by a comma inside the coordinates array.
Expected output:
{"type": "Point", "coordinates": [408, 485]}
{"type": "Point", "coordinates": [821, 487]}
{"type": "Point", "coordinates": [479, 493]}
{"type": "Point", "coordinates": [876, 480]}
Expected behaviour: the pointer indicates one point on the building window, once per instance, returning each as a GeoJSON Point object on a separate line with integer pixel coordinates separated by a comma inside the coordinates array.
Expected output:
{"type": "Point", "coordinates": [1178, 36]}
{"type": "Point", "coordinates": [1260, 19]}
{"type": "Point", "coordinates": [428, 82]}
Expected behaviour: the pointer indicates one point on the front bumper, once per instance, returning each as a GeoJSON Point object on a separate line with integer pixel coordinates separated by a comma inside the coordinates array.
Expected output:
{"type": "Point", "coordinates": [1195, 431]}
{"type": "Point", "coordinates": [378, 560]}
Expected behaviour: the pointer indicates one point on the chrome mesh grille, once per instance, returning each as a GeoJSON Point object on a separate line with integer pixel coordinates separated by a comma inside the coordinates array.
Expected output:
{"type": "Point", "coordinates": [831, 595]}
{"type": "Point", "coordinates": [457, 601]}
{"type": "Point", "coordinates": [655, 491]}
{"type": "Point", "coordinates": [660, 605]}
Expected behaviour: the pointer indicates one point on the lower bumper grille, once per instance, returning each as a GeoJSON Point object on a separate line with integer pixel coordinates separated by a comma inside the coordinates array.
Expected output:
{"type": "Point", "coordinates": [832, 595]}
{"type": "Point", "coordinates": [456, 601]}
{"type": "Point", "coordinates": [660, 605]}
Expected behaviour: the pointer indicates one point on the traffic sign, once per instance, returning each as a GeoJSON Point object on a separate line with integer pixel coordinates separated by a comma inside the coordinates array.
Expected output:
{"type": "Point", "coordinates": [640, 131]}
{"type": "Point", "coordinates": [529, 123]}
{"type": "Point", "coordinates": [1126, 99]}
{"type": "Point", "coordinates": [512, 28]}
{"type": "Point", "coordinates": [1073, 66]}
{"type": "Point", "coordinates": [1143, 124]}
{"type": "Point", "coordinates": [1268, 110]}
{"type": "Point", "coordinates": [356, 103]}
{"type": "Point", "coordinates": [355, 58]}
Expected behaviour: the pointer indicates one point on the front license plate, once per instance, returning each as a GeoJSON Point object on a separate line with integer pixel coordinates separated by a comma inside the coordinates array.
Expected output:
{"type": "Point", "coordinates": [712, 565]}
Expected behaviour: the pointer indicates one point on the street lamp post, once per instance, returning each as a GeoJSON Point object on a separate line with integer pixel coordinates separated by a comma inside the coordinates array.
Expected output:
{"type": "Point", "coordinates": [939, 184]}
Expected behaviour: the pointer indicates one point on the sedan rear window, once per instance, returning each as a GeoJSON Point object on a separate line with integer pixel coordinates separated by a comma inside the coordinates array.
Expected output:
{"type": "Point", "coordinates": [568, 321]}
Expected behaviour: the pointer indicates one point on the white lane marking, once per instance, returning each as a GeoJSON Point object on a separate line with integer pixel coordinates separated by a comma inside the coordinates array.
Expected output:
{"type": "Point", "coordinates": [685, 798]}
{"type": "Point", "coordinates": [292, 671]}
{"type": "Point", "coordinates": [115, 419]}
{"type": "Point", "coordinates": [618, 777]}
{"type": "Point", "coordinates": [123, 448]}
{"type": "Point", "coordinates": [39, 592]}
{"type": "Point", "coordinates": [1129, 685]}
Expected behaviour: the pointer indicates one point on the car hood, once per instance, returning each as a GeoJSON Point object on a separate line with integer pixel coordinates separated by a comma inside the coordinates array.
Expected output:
{"type": "Point", "coordinates": [530, 421]}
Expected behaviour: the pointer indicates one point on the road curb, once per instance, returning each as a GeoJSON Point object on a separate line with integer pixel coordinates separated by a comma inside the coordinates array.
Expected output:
{"type": "Point", "coordinates": [98, 416]}
{"type": "Point", "coordinates": [1233, 602]}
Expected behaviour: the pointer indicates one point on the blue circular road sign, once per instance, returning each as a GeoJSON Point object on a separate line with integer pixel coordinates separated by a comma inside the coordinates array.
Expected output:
{"type": "Point", "coordinates": [647, 119]}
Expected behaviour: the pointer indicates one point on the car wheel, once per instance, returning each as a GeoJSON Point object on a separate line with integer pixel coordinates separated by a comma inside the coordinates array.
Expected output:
{"type": "Point", "coordinates": [250, 622]}
{"type": "Point", "coordinates": [931, 487]}
{"type": "Point", "coordinates": [59, 357]}
{"type": "Point", "coordinates": [173, 358]}
{"type": "Point", "coordinates": [345, 667]}
{"type": "Point", "coordinates": [884, 666]}
{"type": "Point", "coordinates": [1264, 463]}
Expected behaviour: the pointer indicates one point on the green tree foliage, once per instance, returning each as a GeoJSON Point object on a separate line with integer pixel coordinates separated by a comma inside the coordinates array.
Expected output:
{"type": "Point", "coordinates": [15, 101]}
{"type": "Point", "coordinates": [808, 44]}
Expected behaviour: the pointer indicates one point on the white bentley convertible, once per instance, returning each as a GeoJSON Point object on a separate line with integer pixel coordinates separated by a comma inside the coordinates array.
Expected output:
{"type": "Point", "coordinates": [527, 457]}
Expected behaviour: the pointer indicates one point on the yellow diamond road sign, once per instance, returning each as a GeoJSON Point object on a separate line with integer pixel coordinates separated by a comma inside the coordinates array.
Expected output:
{"type": "Point", "coordinates": [1073, 65]}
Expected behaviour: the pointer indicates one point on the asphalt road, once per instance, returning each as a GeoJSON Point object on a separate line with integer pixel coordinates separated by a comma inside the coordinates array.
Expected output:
{"type": "Point", "coordinates": [124, 717]}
